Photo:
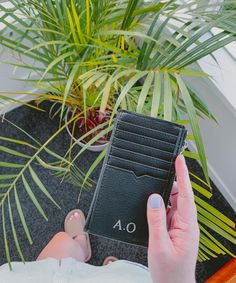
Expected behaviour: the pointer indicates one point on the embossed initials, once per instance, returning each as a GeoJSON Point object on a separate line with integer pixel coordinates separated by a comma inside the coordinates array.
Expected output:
{"type": "Point", "coordinates": [118, 225]}
{"type": "Point", "coordinates": [130, 227]}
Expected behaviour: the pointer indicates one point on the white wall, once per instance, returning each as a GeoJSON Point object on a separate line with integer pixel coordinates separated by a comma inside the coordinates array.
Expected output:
{"type": "Point", "coordinates": [8, 82]}
{"type": "Point", "coordinates": [9, 74]}
{"type": "Point", "coordinates": [220, 140]}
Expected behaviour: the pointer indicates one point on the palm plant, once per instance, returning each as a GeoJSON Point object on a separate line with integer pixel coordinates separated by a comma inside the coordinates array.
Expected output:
{"type": "Point", "coordinates": [97, 55]}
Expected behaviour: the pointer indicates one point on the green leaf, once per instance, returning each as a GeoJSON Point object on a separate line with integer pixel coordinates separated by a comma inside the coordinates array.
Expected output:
{"type": "Point", "coordinates": [56, 61]}
{"type": "Point", "coordinates": [126, 89]}
{"type": "Point", "coordinates": [88, 17]}
{"type": "Point", "coordinates": [5, 239]}
{"type": "Point", "coordinates": [42, 44]}
{"type": "Point", "coordinates": [216, 228]}
{"type": "Point", "coordinates": [22, 217]}
{"type": "Point", "coordinates": [42, 187]}
{"type": "Point", "coordinates": [72, 26]}
{"type": "Point", "coordinates": [7, 177]}
{"type": "Point", "coordinates": [49, 166]}
{"type": "Point", "coordinates": [188, 72]}
{"type": "Point", "coordinates": [107, 89]}
{"type": "Point", "coordinates": [216, 221]}
{"type": "Point", "coordinates": [212, 239]}
{"type": "Point", "coordinates": [94, 165]}
{"type": "Point", "coordinates": [210, 244]}
{"type": "Point", "coordinates": [167, 98]}
{"type": "Point", "coordinates": [199, 179]}
{"type": "Point", "coordinates": [156, 95]}
{"type": "Point", "coordinates": [13, 152]}
{"type": "Point", "coordinates": [129, 11]}
{"type": "Point", "coordinates": [141, 61]}
{"type": "Point", "coordinates": [16, 141]}
{"type": "Point", "coordinates": [69, 83]}
{"type": "Point", "coordinates": [201, 190]}
{"type": "Point", "coordinates": [192, 40]}
{"type": "Point", "coordinates": [152, 47]}
{"type": "Point", "coordinates": [214, 211]}
{"type": "Point", "coordinates": [194, 125]}
{"type": "Point", "coordinates": [3, 186]}
{"type": "Point", "coordinates": [208, 51]}
{"type": "Point", "coordinates": [77, 23]}
{"type": "Point", "coordinates": [33, 198]}
{"type": "Point", "coordinates": [14, 231]}
{"type": "Point", "coordinates": [92, 141]}
{"type": "Point", "coordinates": [205, 249]}
{"type": "Point", "coordinates": [10, 165]}
{"type": "Point", "coordinates": [191, 155]}
{"type": "Point", "coordinates": [144, 92]}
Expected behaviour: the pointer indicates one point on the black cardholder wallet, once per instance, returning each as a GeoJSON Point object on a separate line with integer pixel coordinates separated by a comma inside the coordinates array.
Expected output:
{"type": "Point", "coordinates": [139, 162]}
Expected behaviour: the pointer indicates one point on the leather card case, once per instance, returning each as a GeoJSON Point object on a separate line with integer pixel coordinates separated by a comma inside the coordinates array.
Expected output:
{"type": "Point", "coordinates": [139, 162]}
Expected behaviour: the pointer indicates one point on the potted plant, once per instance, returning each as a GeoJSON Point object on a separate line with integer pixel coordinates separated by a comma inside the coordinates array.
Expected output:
{"type": "Point", "coordinates": [89, 117]}
{"type": "Point", "coordinates": [93, 57]}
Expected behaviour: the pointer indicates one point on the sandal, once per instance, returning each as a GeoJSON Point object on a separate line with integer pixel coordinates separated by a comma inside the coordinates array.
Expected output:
{"type": "Point", "coordinates": [109, 260]}
{"type": "Point", "coordinates": [76, 227]}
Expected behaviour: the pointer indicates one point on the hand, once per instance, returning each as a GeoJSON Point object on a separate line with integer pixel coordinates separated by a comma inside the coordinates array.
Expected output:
{"type": "Point", "coordinates": [173, 234]}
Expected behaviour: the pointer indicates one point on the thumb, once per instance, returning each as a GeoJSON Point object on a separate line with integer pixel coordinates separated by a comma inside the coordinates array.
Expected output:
{"type": "Point", "coordinates": [156, 215]}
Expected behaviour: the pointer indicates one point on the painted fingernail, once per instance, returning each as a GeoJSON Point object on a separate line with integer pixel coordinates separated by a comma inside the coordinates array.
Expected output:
{"type": "Point", "coordinates": [183, 158]}
{"type": "Point", "coordinates": [155, 201]}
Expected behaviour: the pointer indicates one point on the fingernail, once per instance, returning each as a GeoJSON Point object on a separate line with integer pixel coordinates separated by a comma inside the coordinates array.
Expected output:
{"type": "Point", "coordinates": [155, 201]}
{"type": "Point", "coordinates": [183, 158]}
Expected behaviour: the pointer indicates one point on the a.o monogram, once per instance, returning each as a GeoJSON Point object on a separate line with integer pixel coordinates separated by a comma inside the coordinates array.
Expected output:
{"type": "Point", "coordinates": [130, 227]}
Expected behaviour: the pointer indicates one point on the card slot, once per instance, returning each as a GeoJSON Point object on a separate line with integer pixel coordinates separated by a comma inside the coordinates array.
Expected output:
{"type": "Point", "coordinates": [163, 181]}
{"type": "Point", "coordinates": [140, 158]}
{"type": "Point", "coordinates": [144, 149]}
{"type": "Point", "coordinates": [149, 122]}
{"type": "Point", "coordinates": [139, 139]}
{"type": "Point", "coordinates": [156, 134]}
{"type": "Point", "coordinates": [124, 201]}
{"type": "Point", "coordinates": [147, 137]}
{"type": "Point", "coordinates": [137, 168]}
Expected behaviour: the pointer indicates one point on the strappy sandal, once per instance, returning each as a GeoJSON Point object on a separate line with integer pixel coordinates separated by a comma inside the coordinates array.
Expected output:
{"type": "Point", "coordinates": [109, 260]}
{"type": "Point", "coordinates": [75, 228]}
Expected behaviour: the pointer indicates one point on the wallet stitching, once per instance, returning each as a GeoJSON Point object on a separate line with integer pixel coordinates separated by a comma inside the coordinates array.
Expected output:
{"type": "Point", "coordinates": [162, 178]}
{"type": "Point", "coordinates": [177, 148]}
{"type": "Point", "coordinates": [147, 128]}
{"type": "Point", "coordinates": [153, 148]}
{"type": "Point", "coordinates": [91, 213]}
{"type": "Point", "coordinates": [174, 153]}
{"type": "Point", "coordinates": [132, 172]}
{"type": "Point", "coordinates": [141, 164]}
{"type": "Point", "coordinates": [151, 119]}
{"type": "Point", "coordinates": [138, 243]}
{"type": "Point", "coordinates": [144, 145]}
{"type": "Point", "coordinates": [141, 135]}
{"type": "Point", "coordinates": [120, 130]}
{"type": "Point", "coordinates": [144, 154]}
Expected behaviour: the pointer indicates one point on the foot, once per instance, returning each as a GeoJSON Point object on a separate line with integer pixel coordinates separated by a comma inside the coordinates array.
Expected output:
{"type": "Point", "coordinates": [81, 238]}
{"type": "Point", "coordinates": [109, 260]}
{"type": "Point", "coordinates": [74, 227]}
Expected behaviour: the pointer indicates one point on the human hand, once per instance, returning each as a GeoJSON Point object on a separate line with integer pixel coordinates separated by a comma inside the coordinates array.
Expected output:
{"type": "Point", "coordinates": [173, 234]}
